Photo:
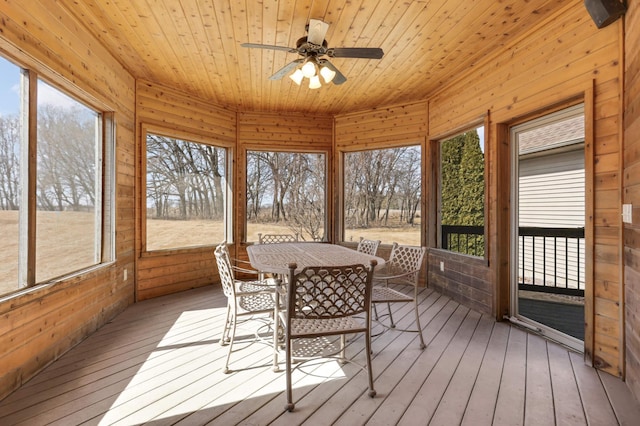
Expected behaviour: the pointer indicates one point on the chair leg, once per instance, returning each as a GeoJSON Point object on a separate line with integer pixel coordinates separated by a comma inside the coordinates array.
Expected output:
{"type": "Point", "coordinates": [415, 307]}
{"type": "Point", "coordinates": [372, 391]}
{"type": "Point", "coordinates": [343, 343]}
{"type": "Point", "coordinates": [225, 331]}
{"type": "Point", "coordinates": [232, 328]}
{"type": "Point", "coordinates": [276, 326]}
{"type": "Point", "coordinates": [377, 318]}
{"type": "Point", "coordinates": [290, 405]}
{"type": "Point", "coordinates": [393, 325]}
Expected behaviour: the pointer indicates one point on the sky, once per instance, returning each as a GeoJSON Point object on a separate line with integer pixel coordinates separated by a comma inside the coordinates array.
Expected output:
{"type": "Point", "coordinates": [10, 91]}
{"type": "Point", "coordinates": [9, 87]}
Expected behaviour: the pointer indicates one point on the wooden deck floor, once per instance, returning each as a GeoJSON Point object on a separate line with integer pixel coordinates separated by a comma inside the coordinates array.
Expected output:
{"type": "Point", "coordinates": [159, 363]}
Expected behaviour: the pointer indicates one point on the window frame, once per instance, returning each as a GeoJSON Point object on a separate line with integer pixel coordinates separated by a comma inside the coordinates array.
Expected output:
{"type": "Point", "coordinates": [104, 145]}
{"type": "Point", "coordinates": [327, 186]}
{"type": "Point", "coordinates": [187, 137]}
{"type": "Point", "coordinates": [436, 153]}
{"type": "Point", "coordinates": [340, 182]}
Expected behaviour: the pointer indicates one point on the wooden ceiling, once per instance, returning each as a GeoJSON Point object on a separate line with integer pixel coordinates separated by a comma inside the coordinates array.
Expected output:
{"type": "Point", "coordinates": [194, 45]}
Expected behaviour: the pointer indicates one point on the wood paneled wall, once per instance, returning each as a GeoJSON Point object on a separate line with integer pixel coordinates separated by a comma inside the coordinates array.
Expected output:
{"type": "Point", "coordinates": [38, 326]}
{"type": "Point", "coordinates": [276, 132]}
{"type": "Point", "coordinates": [631, 196]}
{"type": "Point", "coordinates": [161, 108]}
{"type": "Point", "coordinates": [166, 110]}
{"type": "Point", "coordinates": [380, 128]}
{"type": "Point", "coordinates": [565, 60]}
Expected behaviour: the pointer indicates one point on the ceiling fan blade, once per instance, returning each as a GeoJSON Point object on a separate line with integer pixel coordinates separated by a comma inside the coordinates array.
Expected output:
{"type": "Point", "coordinates": [356, 52]}
{"type": "Point", "coordinates": [268, 46]}
{"type": "Point", "coordinates": [284, 70]}
{"type": "Point", "coordinates": [339, 78]}
{"type": "Point", "coordinates": [317, 30]}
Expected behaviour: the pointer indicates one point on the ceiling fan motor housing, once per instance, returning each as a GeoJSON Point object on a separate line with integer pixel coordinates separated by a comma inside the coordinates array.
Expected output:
{"type": "Point", "coordinates": [305, 48]}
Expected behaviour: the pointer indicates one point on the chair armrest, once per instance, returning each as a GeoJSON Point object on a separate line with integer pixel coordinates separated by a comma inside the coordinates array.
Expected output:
{"type": "Point", "coordinates": [245, 270]}
{"type": "Point", "coordinates": [382, 276]}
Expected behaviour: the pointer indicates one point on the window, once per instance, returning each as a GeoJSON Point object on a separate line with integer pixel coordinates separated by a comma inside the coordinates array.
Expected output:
{"type": "Point", "coordinates": [72, 181]}
{"type": "Point", "coordinates": [10, 182]}
{"type": "Point", "coordinates": [69, 176]}
{"type": "Point", "coordinates": [286, 193]}
{"type": "Point", "coordinates": [461, 196]}
{"type": "Point", "coordinates": [186, 193]}
{"type": "Point", "coordinates": [382, 195]}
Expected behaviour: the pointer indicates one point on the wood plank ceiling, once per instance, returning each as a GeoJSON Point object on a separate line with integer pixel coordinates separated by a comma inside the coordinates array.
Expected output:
{"type": "Point", "coordinates": [194, 46]}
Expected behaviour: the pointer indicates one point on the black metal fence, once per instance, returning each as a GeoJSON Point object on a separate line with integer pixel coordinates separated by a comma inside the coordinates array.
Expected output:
{"type": "Point", "coordinates": [463, 239]}
{"type": "Point", "coordinates": [549, 259]}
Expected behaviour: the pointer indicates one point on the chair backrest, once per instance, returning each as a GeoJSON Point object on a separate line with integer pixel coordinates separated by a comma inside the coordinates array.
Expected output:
{"type": "Point", "coordinates": [368, 246]}
{"type": "Point", "coordinates": [277, 238]}
{"type": "Point", "coordinates": [407, 259]}
{"type": "Point", "coordinates": [223, 260]}
{"type": "Point", "coordinates": [325, 292]}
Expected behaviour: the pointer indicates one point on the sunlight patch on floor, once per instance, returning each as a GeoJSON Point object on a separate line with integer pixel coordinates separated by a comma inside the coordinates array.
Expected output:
{"type": "Point", "coordinates": [184, 374]}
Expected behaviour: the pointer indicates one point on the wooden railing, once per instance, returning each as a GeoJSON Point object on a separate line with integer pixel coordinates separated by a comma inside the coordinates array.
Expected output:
{"type": "Point", "coordinates": [549, 259]}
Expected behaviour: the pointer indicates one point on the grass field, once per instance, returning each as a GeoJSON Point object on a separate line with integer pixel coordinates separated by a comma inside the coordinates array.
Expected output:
{"type": "Point", "coordinates": [66, 240]}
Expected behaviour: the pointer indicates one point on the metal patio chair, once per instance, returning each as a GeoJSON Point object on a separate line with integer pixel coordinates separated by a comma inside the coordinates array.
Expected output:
{"type": "Point", "coordinates": [324, 301]}
{"type": "Point", "coordinates": [368, 246]}
{"type": "Point", "coordinates": [246, 300]}
{"type": "Point", "coordinates": [277, 238]}
{"type": "Point", "coordinates": [401, 270]}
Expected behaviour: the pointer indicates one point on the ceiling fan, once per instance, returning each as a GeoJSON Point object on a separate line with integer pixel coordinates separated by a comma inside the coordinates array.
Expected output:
{"type": "Point", "coordinates": [313, 48]}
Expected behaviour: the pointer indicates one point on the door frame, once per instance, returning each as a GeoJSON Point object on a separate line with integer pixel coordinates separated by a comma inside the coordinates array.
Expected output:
{"type": "Point", "coordinates": [542, 329]}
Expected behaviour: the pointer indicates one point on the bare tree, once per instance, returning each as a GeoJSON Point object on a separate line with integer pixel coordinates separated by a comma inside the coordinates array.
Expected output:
{"type": "Point", "coordinates": [306, 198]}
{"type": "Point", "coordinates": [378, 182]}
{"type": "Point", "coordinates": [66, 158]}
{"type": "Point", "coordinates": [295, 183]}
{"type": "Point", "coordinates": [257, 178]}
{"type": "Point", "coordinates": [184, 179]}
{"type": "Point", "coordinates": [9, 162]}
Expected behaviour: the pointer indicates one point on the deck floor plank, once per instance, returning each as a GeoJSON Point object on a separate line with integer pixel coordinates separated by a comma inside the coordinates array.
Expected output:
{"type": "Point", "coordinates": [426, 400]}
{"type": "Point", "coordinates": [393, 402]}
{"type": "Point", "coordinates": [482, 401]}
{"type": "Point", "coordinates": [402, 363]}
{"type": "Point", "coordinates": [625, 407]}
{"type": "Point", "coordinates": [452, 407]}
{"type": "Point", "coordinates": [160, 363]}
{"type": "Point", "coordinates": [597, 407]}
{"type": "Point", "coordinates": [511, 394]}
{"type": "Point", "coordinates": [539, 408]}
{"type": "Point", "coordinates": [386, 347]}
{"type": "Point", "coordinates": [568, 406]}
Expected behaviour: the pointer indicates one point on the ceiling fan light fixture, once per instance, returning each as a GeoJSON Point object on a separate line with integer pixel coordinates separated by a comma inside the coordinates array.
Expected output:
{"type": "Point", "coordinates": [313, 48]}
{"type": "Point", "coordinates": [314, 82]}
{"type": "Point", "coordinates": [297, 76]}
{"type": "Point", "coordinates": [327, 74]}
{"type": "Point", "coordinates": [309, 69]}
